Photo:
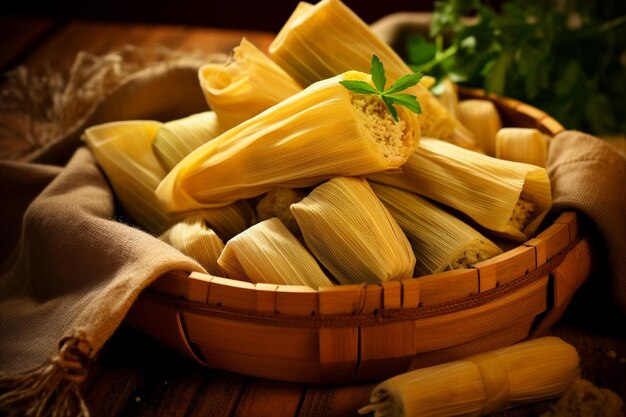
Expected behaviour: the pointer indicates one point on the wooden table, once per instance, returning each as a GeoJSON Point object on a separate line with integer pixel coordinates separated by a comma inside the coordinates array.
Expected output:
{"type": "Point", "coordinates": [134, 376]}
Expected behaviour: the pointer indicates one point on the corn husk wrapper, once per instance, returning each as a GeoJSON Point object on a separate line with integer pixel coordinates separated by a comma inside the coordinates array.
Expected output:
{"type": "Point", "coordinates": [536, 370]}
{"type": "Point", "coordinates": [312, 136]}
{"type": "Point", "coordinates": [352, 233]}
{"type": "Point", "coordinates": [227, 221]}
{"type": "Point", "coordinates": [529, 146]}
{"type": "Point", "coordinates": [482, 119]}
{"type": "Point", "coordinates": [276, 203]}
{"type": "Point", "coordinates": [484, 188]}
{"type": "Point", "coordinates": [439, 240]}
{"type": "Point", "coordinates": [192, 237]}
{"type": "Point", "coordinates": [267, 252]}
{"type": "Point", "coordinates": [176, 139]}
{"type": "Point", "coordinates": [244, 86]}
{"type": "Point", "coordinates": [448, 96]}
{"type": "Point", "coordinates": [124, 151]}
{"type": "Point", "coordinates": [320, 41]}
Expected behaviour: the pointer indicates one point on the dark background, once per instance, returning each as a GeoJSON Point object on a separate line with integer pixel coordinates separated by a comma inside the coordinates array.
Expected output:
{"type": "Point", "coordinates": [235, 14]}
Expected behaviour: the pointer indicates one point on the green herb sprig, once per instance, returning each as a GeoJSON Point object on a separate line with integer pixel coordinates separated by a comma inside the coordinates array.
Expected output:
{"type": "Point", "coordinates": [391, 95]}
{"type": "Point", "coordinates": [565, 57]}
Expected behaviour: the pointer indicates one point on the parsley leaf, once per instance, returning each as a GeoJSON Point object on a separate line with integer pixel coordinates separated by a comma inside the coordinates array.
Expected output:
{"type": "Point", "coordinates": [389, 96]}
{"type": "Point", "coordinates": [378, 73]}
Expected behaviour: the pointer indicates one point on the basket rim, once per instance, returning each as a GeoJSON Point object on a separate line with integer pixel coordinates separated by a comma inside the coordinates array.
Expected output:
{"type": "Point", "coordinates": [415, 298]}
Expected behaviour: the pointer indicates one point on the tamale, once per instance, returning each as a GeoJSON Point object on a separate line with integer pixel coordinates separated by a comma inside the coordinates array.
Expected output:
{"type": "Point", "coordinates": [482, 119]}
{"type": "Point", "coordinates": [124, 151]}
{"type": "Point", "coordinates": [176, 139]}
{"type": "Point", "coordinates": [194, 239]}
{"type": "Point", "coordinates": [352, 233]}
{"type": "Point", "coordinates": [276, 204]}
{"type": "Point", "coordinates": [522, 145]}
{"type": "Point", "coordinates": [268, 252]}
{"type": "Point", "coordinates": [439, 240]}
{"type": "Point", "coordinates": [535, 370]}
{"type": "Point", "coordinates": [321, 132]}
{"type": "Point", "coordinates": [227, 221]}
{"type": "Point", "coordinates": [245, 85]}
{"type": "Point", "coordinates": [320, 41]}
{"type": "Point", "coordinates": [508, 198]}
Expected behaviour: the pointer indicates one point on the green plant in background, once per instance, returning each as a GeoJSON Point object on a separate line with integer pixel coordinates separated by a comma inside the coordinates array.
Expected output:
{"type": "Point", "coordinates": [566, 57]}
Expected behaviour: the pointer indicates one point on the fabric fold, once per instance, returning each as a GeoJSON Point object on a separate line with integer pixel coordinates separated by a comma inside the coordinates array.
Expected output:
{"type": "Point", "coordinates": [589, 176]}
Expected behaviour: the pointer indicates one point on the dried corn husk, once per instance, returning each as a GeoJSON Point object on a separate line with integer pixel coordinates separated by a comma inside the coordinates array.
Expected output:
{"type": "Point", "coordinates": [194, 239]}
{"type": "Point", "coordinates": [276, 203]}
{"type": "Point", "coordinates": [535, 370]}
{"type": "Point", "coordinates": [529, 146]}
{"type": "Point", "coordinates": [228, 221]}
{"type": "Point", "coordinates": [321, 41]}
{"type": "Point", "coordinates": [482, 119]}
{"type": "Point", "coordinates": [439, 240]}
{"type": "Point", "coordinates": [508, 198]}
{"type": "Point", "coordinates": [176, 139]}
{"type": "Point", "coordinates": [267, 252]}
{"type": "Point", "coordinates": [352, 233]}
{"type": "Point", "coordinates": [124, 151]}
{"type": "Point", "coordinates": [317, 134]}
{"type": "Point", "coordinates": [244, 86]}
{"type": "Point", "coordinates": [448, 96]}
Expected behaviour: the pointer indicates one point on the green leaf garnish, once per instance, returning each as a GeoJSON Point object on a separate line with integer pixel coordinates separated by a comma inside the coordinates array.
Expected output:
{"type": "Point", "coordinates": [378, 73]}
{"type": "Point", "coordinates": [389, 96]}
{"type": "Point", "coordinates": [360, 87]}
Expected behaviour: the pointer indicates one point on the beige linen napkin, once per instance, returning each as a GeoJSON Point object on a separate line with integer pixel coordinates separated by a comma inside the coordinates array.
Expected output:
{"type": "Point", "coordinates": [589, 176]}
{"type": "Point", "coordinates": [70, 271]}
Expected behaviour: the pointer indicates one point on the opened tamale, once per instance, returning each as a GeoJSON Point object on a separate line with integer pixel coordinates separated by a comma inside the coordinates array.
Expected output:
{"type": "Point", "coordinates": [439, 240]}
{"type": "Point", "coordinates": [328, 38]}
{"type": "Point", "coordinates": [244, 86]}
{"type": "Point", "coordinates": [321, 132]}
{"type": "Point", "coordinates": [352, 233]}
{"type": "Point", "coordinates": [508, 198]}
{"type": "Point", "coordinates": [268, 252]}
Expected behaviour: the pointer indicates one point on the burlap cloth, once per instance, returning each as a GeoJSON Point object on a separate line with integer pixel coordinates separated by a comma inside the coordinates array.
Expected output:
{"type": "Point", "coordinates": [71, 270]}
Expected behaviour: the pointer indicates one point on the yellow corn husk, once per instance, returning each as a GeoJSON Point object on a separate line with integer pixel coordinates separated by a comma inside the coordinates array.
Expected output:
{"type": "Point", "coordinates": [124, 151]}
{"type": "Point", "coordinates": [427, 81]}
{"type": "Point", "coordinates": [319, 133]}
{"type": "Point", "coordinates": [529, 146]}
{"type": "Point", "coordinates": [194, 239]}
{"type": "Point", "coordinates": [176, 139]}
{"type": "Point", "coordinates": [267, 252]}
{"type": "Point", "coordinates": [352, 233]}
{"type": "Point", "coordinates": [228, 221]}
{"type": "Point", "coordinates": [440, 241]}
{"type": "Point", "coordinates": [245, 86]}
{"type": "Point", "coordinates": [535, 370]}
{"type": "Point", "coordinates": [320, 41]}
{"type": "Point", "coordinates": [482, 119]}
{"type": "Point", "coordinates": [276, 204]}
{"type": "Point", "coordinates": [448, 96]}
{"type": "Point", "coordinates": [508, 198]}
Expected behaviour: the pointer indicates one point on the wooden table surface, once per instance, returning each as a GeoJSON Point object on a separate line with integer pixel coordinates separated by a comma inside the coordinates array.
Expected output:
{"type": "Point", "coordinates": [133, 376]}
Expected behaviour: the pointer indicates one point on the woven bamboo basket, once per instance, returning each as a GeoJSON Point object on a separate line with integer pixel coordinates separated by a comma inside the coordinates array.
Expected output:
{"type": "Point", "coordinates": [370, 332]}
